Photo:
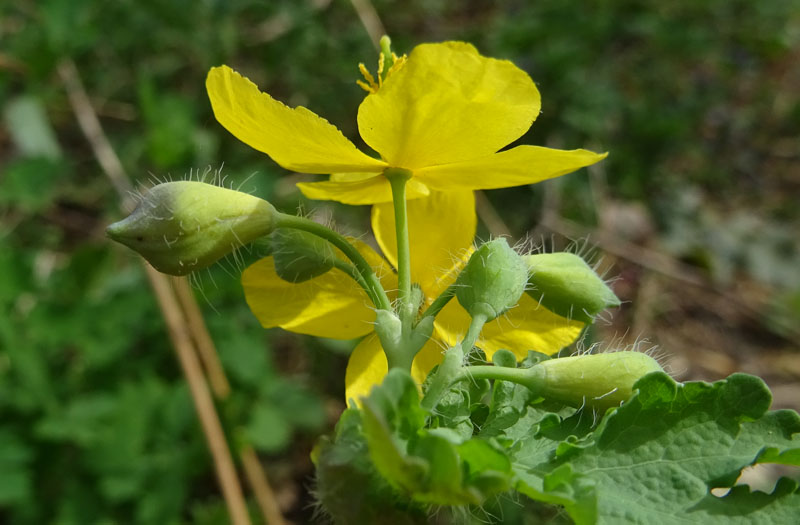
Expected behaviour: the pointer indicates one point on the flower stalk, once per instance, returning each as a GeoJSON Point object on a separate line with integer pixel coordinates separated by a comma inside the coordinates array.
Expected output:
{"type": "Point", "coordinates": [398, 178]}
{"type": "Point", "coordinates": [440, 302]}
{"type": "Point", "coordinates": [448, 373]}
{"type": "Point", "coordinates": [370, 283]}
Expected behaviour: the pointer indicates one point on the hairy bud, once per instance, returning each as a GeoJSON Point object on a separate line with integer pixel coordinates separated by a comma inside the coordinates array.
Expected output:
{"type": "Point", "coordinates": [598, 380]}
{"type": "Point", "coordinates": [492, 281]}
{"type": "Point", "coordinates": [184, 226]}
{"type": "Point", "coordinates": [565, 284]}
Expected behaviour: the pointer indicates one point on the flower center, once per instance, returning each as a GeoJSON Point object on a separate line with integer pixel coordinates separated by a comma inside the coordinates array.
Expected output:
{"type": "Point", "coordinates": [388, 63]}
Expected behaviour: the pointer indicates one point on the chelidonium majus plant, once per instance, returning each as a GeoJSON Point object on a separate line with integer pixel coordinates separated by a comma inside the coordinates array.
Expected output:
{"type": "Point", "coordinates": [456, 392]}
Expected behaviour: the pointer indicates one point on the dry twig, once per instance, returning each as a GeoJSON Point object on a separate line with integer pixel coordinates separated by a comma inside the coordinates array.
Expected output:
{"type": "Point", "coordinates": [370, 20]}
{"type": "Point", "coordinates": [183, 326]}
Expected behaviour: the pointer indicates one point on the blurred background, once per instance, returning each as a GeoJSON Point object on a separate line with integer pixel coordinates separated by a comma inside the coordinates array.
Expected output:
{"type": "Point", "coordinates": [694, 214]}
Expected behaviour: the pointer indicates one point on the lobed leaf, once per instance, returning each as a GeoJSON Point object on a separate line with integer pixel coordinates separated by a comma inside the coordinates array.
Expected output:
{"type": "Point", "coordinates": [656, 458]}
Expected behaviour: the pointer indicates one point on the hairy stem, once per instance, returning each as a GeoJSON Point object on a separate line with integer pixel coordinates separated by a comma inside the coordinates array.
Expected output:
{"type": "Point", "coordinates": [440, 302]}
{"type": "Point", "coordinates": [370, 283]}
{"type": "Point", "coordinates": [449, 372]}
{"type": "Point", "coordinates": [474, 331]}
{"type": "Point", "coordinates": [520, 376]}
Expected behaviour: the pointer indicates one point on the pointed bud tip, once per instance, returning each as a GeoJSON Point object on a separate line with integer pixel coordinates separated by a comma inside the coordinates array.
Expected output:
{"type": "Point", "coordinates": [185, 226]}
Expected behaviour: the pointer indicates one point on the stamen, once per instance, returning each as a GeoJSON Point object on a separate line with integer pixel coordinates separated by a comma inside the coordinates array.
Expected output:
{"type": "Point", "coordinates": [388, 63]}
{"type": "Point", "coordinates": [366, 87]}
{"type": "Point", "coordinates": [369, 78]}
{"type": "Point", "coordinates": [399, 62]}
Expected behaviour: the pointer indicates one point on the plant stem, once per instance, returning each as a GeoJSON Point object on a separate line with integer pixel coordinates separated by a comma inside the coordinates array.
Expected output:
{"type": "Point", "coordinates": [527, 377]}
{"type": "Point", "coordinates": [397, 178]}
{"type": "Point", "coordinates": [449, 372]}
{"type": "Point", "coordinates": [473, 332]}
{"type": "Point", "coordinates": [370, 283]}
{"type": "Point", "coordinates": [440, 302]}
{"type": "Point", "coordinates": [350, 270]}
{"type": "Point", "coordinates": [452, 367]}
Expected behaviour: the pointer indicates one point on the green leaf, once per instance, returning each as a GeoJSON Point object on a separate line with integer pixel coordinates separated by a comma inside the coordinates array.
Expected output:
{"type": "Point", "coordinates": [15, 482]}
{"type": "Point", "coordinates": [268, 429]}
{"type": "Point", "coordinates": [27, 122]}
{"type": "Point", "coordinates": [741, 505]}
{"type": "Point", "coordinates": [454, 412]}
{"type": "Point", "coordinates": [656, 458]}
{"type": "Point", "coordinates": [509, 400]}
{"type": "Point", "coordinates": [299, 406]}
{"type": "Point", "coordinates": [343, 463]}
{"type": "Point", "coordinates": [30, 184]}
{"type": "Point", "coordinates": [487, 468]}
{"type": "Point", "coordinates": [442, 466]}
{"type": "Point", "coordinates": [391, 416]}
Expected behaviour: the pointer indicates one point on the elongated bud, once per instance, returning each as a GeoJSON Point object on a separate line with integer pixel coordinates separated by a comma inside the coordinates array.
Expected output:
{"type": "Point", "coordinates": [299, 255]}
{"type": "Point", "coordinates": [565, 284]}
{"type": "Point", "coordinates": [492, 281]}
{"type": "Point", "coordinates": [597, 380]}
{"type": "Point", "coordinates": [185, 226]}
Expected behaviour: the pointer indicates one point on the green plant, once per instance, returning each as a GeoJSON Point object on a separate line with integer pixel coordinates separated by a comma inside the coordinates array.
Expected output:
{"type": "Point", "coordinates": [610, 437]}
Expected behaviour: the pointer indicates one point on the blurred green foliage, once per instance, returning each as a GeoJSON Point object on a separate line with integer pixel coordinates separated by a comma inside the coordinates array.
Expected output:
{"type": "Point", "coordinates": [696, 101]}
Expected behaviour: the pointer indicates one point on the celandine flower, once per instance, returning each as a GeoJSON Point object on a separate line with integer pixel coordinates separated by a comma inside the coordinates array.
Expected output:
{"type": "Point", "coordinates": [444, 115]}
{"type": "Point", "coordinates": [333, 305]}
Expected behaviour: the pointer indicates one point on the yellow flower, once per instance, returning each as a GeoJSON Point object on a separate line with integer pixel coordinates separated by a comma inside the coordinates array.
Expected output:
{"type": "Point", "coordinates": [444, 115]}
{"type": "Point", "coordinates": [333, 305]}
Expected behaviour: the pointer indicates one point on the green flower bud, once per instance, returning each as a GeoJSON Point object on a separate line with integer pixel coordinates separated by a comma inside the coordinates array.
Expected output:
{"type": "Point", "coordinates": [299, 255]}
{"type": "Point", "coordinates": [563, 283]}
{"type": "Point", "coordinates": [598, 380]}
{"type": "Point", "coordinates": [184, 226]}
{"type": "Point", "coordinates": [492, 281]}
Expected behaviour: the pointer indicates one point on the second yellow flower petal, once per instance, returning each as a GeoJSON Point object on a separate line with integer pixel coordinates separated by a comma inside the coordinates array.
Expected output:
{"type": "Point", "coordinates": [514, 167]}
{"type": "Point", "coordinates": [357, 190]}
{"type": "Point", "coordinates": [331, 305]}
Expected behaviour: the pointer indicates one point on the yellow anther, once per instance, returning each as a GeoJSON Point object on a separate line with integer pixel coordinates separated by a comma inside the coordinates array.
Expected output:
{"type": "Point", "coordinates": [371, 85]}
{"type": "Point", "coordinates": [369, 78]}
{"type": "Point", "coordinates": [381, 61]}
{"type": "Point", "coordinates": [399, 62]}
{"type": "Point", "coordinates": [366, 87]}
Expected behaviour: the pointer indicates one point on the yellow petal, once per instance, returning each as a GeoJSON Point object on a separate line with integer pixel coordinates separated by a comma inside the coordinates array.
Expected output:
{"type": "Point", "coordinates": [429, 356]}
{"type": "Point", "coordinates": [514, 167]}
{"type": "Point", "coordinates": [447, 104]}
{"type": "Point", "coordinates": [528, 326]}
{"type": "Point", "coordinates": [331, 305]}
{"type": "Point", "coordinates": [441, 228]}
{"type": "Point", "coordinates": [368, 366]}
{"type": "Point", "coordinates": [354, 189]}
{"type": "Point", "coordinates": [295, 138]}
{"type": "Point", "coordinates": [350, 177]}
